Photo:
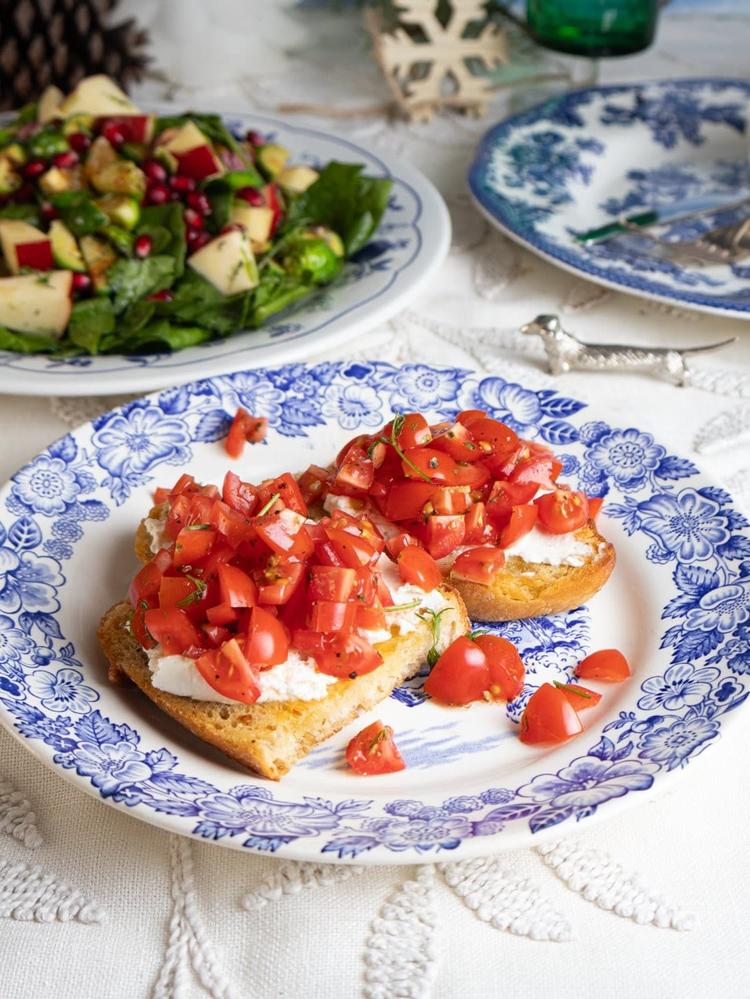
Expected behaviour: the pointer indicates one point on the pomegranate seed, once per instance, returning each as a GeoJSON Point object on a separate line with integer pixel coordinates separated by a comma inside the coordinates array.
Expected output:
{"type": "Point", "coordinates": [81, 283]}
{"type": "Point", "coordinates": [198, 201]}
{"type": "Point", "coordinates": [142, 246]}
{"type": "Point", "coordinates": [255, 138]}
{"type": "Point", "coordinates": [113, 134]}
{"type": "Point", "coordinates": [155, 171]}
{"type": "Point", "coordinates": [79, 141]}
{"type": "Point", "coordinates": [252, 196]}
{"type": "Point", "coordinates": [161, 296]}
{"type": "Point", "coordinates": [65, 160]}
{"type": "Point", "coordinates": [34, 168]}
{"type": "Point", "coordinates": [157, 194]}
{"type": "Point", "coordinates": [196, 239]}
{"type": "Point", "coordinates": [182, 184]}
{"type": "Point", "coordinates": [193, 219]}
{"type": "Point", "coordinates": [48, 211]}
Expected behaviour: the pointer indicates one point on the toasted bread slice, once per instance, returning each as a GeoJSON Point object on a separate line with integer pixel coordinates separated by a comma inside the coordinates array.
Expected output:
{"type": "Point", "coordinates": [532, 589]}
{"type": "Point", "coordinates": [272, 736]}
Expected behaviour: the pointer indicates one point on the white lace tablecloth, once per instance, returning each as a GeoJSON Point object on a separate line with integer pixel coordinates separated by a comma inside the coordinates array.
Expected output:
{"type": "Point", "coordinates": [652, 903]}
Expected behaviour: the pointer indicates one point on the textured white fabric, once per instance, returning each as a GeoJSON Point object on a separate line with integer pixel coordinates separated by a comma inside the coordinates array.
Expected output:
{"type": "Point", "coordinates": [95, 903]}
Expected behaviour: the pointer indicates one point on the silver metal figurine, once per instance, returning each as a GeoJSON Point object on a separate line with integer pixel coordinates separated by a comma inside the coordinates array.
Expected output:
{"type": "Point", "coordinates": [567, 353]}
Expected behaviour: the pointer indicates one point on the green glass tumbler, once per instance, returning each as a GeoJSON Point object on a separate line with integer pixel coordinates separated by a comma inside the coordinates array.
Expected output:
{"type": "Point", "coordinates": [593, 28]}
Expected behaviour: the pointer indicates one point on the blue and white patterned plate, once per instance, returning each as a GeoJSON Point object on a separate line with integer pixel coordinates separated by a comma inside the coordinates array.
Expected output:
{"type": "Point", "coordinates": [581, 160]}
{"type": "Point", "coordinates": [408, 247]}
{"type": "Point", "coordinates": [678, 605]}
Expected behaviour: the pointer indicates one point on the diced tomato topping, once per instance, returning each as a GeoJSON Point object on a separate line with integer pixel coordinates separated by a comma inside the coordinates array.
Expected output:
{"type": "Point", "coordinates": [506, 667]}
{"type": "Point", "coordinates": [351, 549]}
{"type": "Point", "coordinates": [240, 496]}
{"type": "Point", "coordinates": [415, 431]}
{"type": "Point", "coordinates": [355, 474]}
{"type": "Point", "coordinates": [279, 530]}
{"type": "Point", "coordinates": [148, 579]}
{"type": "Point", "coordinates": [469, 416]}
{"type": "Point", "coordinates": [428, 463]}
{"type": "Point", "coordinates": [244, 429]}
{"type": "Point", "coordinates": [313, 484]}
{"type": "Point", "coordinates": [192, 544]}
{"type": "Point", "coordinates": [371, 618]}
{"type": "Point", "coordinates": [494, 438]}
{"type": "Point", "coordinates": [478, 565]}
{"type": "Point", "coordinates": [281, 578]}
{"type": "Point", "coordinates": [396, 544]}
{"type": "Point", "coordinates": [548, 717]}
{"type": "Point", "coordinates": [172, 629]}
{"type": "Point", "coordinates": [406, 500]}
{"type": "Point", "coordinates": [595, 505]}
{"type": "Point", "coordinates": [443, 534]}
{"type": "Point", "coordinates": [221, 614]}
{"type": "Point", "coordinates": [580, 697]}
{"type": "Point", "coordinates": [457, 441]}
{"type": "Point", "coordinates": [229, 673]}
{"type": "Point", "coordinates": [288, 492]}
{"type": "Point", "coordinates": [329, 615]}
{"type": "Point", "coordinates": [232, 525]}
{"type": "Point", "coordinates": [522, 520]}
{"type": "Point", "coordinates": [460, 675]}
{"type": "Point", "coordinates": [562, 511]}
{"type": "Point", "coordinates": [179, 591]}
{"type": "Point", "coordinates": [236, 587]}
{"type": "Point", "coordinates": [374, 751]}
{"type": "Point", "coordinates": [479, 531]}
{"type": "Point", "coordinates": [267, 642]}
{"type": "Point", "coordinates": [331, 582]}
{"type": "Point", "coordinates": [473, 475]}
{"type": "Point", "coordinates": [606, 664]}
{"type": "Point", "coordinates": [347, 655]}
{"type": "Point", "coordinates": [419, 568]}
{"type": "Point", "coordinates": [450, 499]}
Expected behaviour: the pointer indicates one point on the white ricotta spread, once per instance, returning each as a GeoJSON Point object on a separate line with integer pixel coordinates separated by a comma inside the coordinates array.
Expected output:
{"type": "Point", "coordinates": [550, 549]}
{"type": "Point", "coordinates": [155, 530]}
{"type": "Point", "coordinates": [295, 679]}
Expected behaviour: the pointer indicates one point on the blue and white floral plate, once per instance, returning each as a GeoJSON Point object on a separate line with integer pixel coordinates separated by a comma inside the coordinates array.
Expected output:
{"type": "Point", "coordinates": [408, 247]}
{"type": "Point", "coordinates": [583, 159]}
{"type": "Point", "coordinates": [678, 605]}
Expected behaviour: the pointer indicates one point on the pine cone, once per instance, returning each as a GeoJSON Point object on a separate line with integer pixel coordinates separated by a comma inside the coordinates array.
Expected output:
{"type": "Point", "coordinates": [45, 42]}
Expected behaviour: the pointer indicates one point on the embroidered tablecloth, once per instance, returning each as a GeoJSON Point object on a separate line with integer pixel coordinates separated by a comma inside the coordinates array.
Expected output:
{"type": "Point", "coordinates": [652, 903]}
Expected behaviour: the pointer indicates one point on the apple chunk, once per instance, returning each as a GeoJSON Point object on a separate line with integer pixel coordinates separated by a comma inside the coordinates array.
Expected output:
{"type": "Point", "coordinates": [257, 221]}
{"type": "Point", "coordinates": [199, 163]}
{"type": "Point", "coordinates": [36, 303]}
{"type": "Point", "coordinates": [15, 233]}
{"type": "Point", "coordinates": [227, 262]}
{"type": "Point", "coordinates": [98, 96]}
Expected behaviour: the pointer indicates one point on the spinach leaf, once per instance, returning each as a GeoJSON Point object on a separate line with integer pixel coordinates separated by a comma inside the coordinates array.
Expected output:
{"type": "Point", "coordinates": [344, 200]}
{"type": "Point", "coordinates": [166, 227]}
{"type": "Point", "coordinates": [220, 192]}
{"type": "Point", "coordinates": [197, 301]}
{"type": "Point", "coordinates": [211, 125]}
{"type": "Point", "coordinates": [161, 332]}
{"type": "Point", "coordinates": [79, 213]}
{"type": "Point", "coordinates": [27, 213]}
{"type": "Point", "coordinates": [90, 320]}
{"type": "Point", "coordinates": [26, 343]}
{"type": "Point", "coordinates": [276, 291]}
{"type": "Point", "coordinates": [130, 280]}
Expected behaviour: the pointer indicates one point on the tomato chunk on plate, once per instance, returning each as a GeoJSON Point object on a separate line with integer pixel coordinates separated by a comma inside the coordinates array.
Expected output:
{"type": "Point", "coordinates": [606, 664]}
{"type": "Point", "coordinates": [478, 565]}
{"type": "Point", "coordinates": [460, 675]}
{"type": "Point", "coordinates": [549, 717]}
{"type": "Point", "coordinates": [506, 667]}
{"type": "Point", "coordinates": [374, 751]}
{"type": "Point", "coordinates": [580, 697]}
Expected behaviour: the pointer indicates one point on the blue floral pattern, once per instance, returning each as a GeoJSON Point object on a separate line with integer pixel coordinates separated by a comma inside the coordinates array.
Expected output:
{"type": "Point", "coordinates": [693, 538]}
{"type": "Point", "coordinates": [634, 145]}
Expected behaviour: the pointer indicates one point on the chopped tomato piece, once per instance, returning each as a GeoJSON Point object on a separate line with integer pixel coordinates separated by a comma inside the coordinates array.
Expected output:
{"type": "Point", "coordinates": [236, 587]}
{"type": "Point", "coordinates": [478, 529]}
{"type": "Point", "coordinates": [148, 579]}
{"type": "Point", "coordinates": [185, 483]}
{"type": "Point", "coordinates": [329, 615]}
{"type": "Point", "coordinates": [494, 438]}
{"type": "Point", "coordinates": [504, 496]}
{"type": "Point", "coordinates": [347, 655]}
{"type": "Point", "coordinates": [221, 614]}
{"type": "Point", "coordinates": [373, 751]}
{"type": "Point", "coordinates": [244, 429]}
{"type": "Point", "coordinates": [548, 717]}
{"type": "Point", "coordinates": [450, 499]}
{"type": "Point", "coordinates": [179, 591]}
{"type": "Point", "coordinates": [192, 544]}
{"type": "Point", "coordinates": [355, 474]}
{"type": "Point", "coordinates": [172, 629]}
{"type": "Point", "coordinates": [138, 625]}
{"type": "Point", "coordinates": [396, 544]}
{"type": "Point", "coordinates": [240, 496]}
{"type": "Point", "coordinates": [353, 551]}
{"type": "Point", "coordinates": [418, 567]}
{"type": "Point", "coordinates": [595, 505]}
{"type": "Point", "coordinates": [229, 673]}
{"type": "Point", "coordinates": [428, 463]}
{"type": "Point", "coordinates": [478, 565]}
{"type": "Point", "coordinates": [267, 642]}
{"type": "Point", "coordinates": [580, 697]}
{"type": "Point", "coordinates": [606, 664]}
{"type": "Point", "coordinates": [505, 665]}
{"type": "Point", "coordinates": [371, 618]}
{"type": "Point", "coordinates": [562, 511]}
{"type": "Point", "coordinates": [536, 465]}
{"type": "Point", "coordinates": [415, 431]}
{"type": "Point", "coordinates": [460, 675]}
{"type": "Point", "coordinates": [288, 492]}
{"type": "Point", "coordinates": [457, 441]}
{"type": "Point", "coordinates": [279, 530]}
{"type": "Point", "coordinates": [469, 416]}
{"type": "Point", "coordinates": [331, 582]}
{"type": "Point", "coordinates": [464, 474]}
{"type": "Point", "coordinates": [216, 634]}
{"type": "Point", "coordinates": [281, 579]}
{"type": "Point", "coordinates": [406, 500]}
{"type": "Point", "coordinates": [522, 520]}
{"type": "Point", "coordinates": [443, 534]}
{"type": "Point", "coordinates": [313, 484]}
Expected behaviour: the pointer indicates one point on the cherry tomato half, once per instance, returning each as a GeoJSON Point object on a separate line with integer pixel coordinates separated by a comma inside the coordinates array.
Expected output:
{"type": "Point", "coordinates": [522, 520]}
{"type": "Point", "coordinates": [418, 567]}
{"type": "Point", "coordinates": [548, 717]}
{"type": "Point", "coordinates": [506, 667]}
{"type": "Point", "coordinates": [460, 675]}
{"type": "Point", "coordinates": [267, 643]}
{"type": "Point", "coordinates": [562, 511]}
{"type": "Point", "coordinates": [606, 664]}
{"type": "Point", "coordinates": [478, 565]}
{"type": "Point", "coordinates": [580, 697]}
{"type": "Point", "coordinates": [229, 673]}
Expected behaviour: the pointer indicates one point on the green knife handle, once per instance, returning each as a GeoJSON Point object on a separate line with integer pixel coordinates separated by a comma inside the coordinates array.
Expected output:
{"type": "Point", "coordinates": [615, 228]}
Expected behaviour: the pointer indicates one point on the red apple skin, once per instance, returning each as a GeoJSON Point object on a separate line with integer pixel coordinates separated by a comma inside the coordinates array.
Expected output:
{"type": "Point", "coordinates": [37, 255]}
{"type": "Point", "coordinates": [198, 163]}
{"type": "Point", "coordinates": [271, 194]}
{"type": "Point", "coordinates": [134, 127]}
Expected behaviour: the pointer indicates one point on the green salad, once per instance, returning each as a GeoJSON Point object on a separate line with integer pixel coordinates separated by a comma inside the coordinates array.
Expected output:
{"type": "Point", "coordinates": [123, 232]}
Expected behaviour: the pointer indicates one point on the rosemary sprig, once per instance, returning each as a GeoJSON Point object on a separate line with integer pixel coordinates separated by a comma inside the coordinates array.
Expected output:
{"type": "Point", "coordinates": [196, 595]}
{"type": "Point", "coordinates": [579, 691]}
{"type": "Point", "coordinates": [427, 614]}
{"type": "Point", "coordinates": [269, 504]}
{"type": "Point", "coordinates": [396, 428]}
{"type": "Point", "coordinates": [400, 607]}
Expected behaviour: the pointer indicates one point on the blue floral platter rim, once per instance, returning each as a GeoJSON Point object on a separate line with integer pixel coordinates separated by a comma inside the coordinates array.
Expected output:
{"type": "Point", "coordinates": [410, 244]}
{"type": "Point", "coordinates": [534, 173]}
{"type": "Point", "coordinates": [470, 788]}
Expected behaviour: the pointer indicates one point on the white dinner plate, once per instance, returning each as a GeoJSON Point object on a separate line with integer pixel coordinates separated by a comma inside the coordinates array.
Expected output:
{"type": "Point", "coordinates": [678, 605]}
{"type": "Point", "coordinates": [409, 245]}
{"type": "Point", "coordinates": [584, 159]}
